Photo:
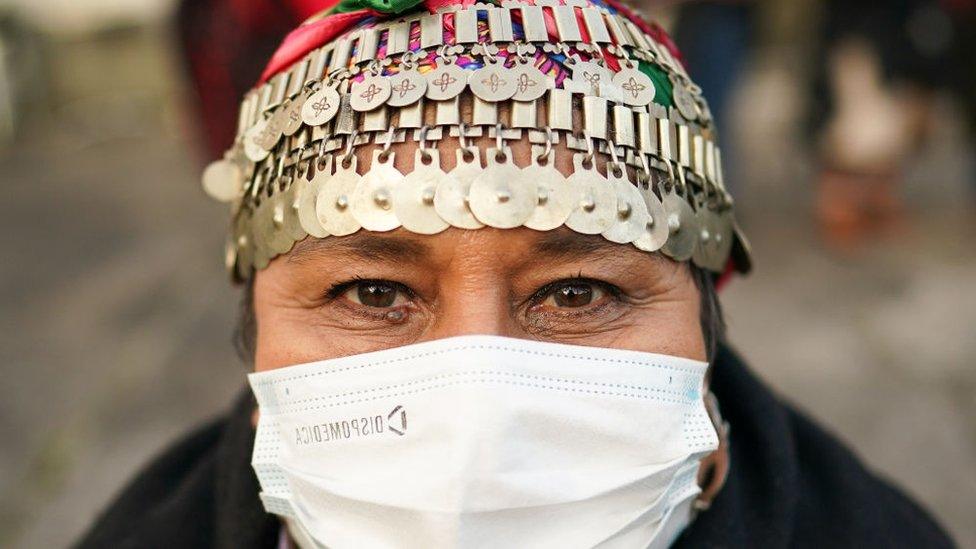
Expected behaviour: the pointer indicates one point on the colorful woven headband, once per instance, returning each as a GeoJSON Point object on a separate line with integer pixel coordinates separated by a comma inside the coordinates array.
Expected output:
{"type": "Point", "coordinates": [562, 78]}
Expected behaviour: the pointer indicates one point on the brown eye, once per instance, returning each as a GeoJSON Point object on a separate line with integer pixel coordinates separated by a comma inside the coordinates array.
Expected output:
{"type": "Point", "coordinates": [377, 294]}
{"type": "Point", "coordinates": [574, 295]}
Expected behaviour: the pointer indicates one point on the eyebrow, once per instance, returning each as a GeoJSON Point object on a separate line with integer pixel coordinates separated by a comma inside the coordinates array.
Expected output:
{"type": "Point", "coordinates": [566, 245]}
{"type": "Point", "coordinates": [362, 245]}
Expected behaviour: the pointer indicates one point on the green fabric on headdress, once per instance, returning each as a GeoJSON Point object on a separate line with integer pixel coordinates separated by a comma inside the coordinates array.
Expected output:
{"type": "Point", "coordinates": [382, 6]}
{"type": "Point", "coordinates": [663, 91]}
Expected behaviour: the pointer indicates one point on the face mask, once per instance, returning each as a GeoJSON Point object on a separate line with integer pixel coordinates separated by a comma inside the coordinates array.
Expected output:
{"type": "Point", "coordinates": [483, 441]}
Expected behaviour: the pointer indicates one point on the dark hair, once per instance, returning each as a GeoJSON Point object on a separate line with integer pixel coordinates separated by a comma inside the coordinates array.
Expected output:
{"type": "Point", "coordinates": [712, 322]}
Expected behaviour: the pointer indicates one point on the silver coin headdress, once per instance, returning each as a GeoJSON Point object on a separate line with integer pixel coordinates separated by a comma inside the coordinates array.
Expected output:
{"type": "Point", "coordinates": [570, 77]}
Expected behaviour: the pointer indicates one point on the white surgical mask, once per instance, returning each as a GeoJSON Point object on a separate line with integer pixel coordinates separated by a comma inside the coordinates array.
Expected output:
{"type": "Point", "coordinates": [483, 441]}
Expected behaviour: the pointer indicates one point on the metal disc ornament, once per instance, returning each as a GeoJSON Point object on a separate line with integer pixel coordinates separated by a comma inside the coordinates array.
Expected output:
{"type": "Point", "coordinates": [684, 101]}
{"type": "Point", "coordinates": [656, 231]}
{"type": "Point", "coordinates": [555, 198]}
{"type": "Point", "coordinates": [596, 210]}
{"type": "Point", "coordinates": [705, 250]}
{"type": "Point", "coordinates": [451, 196]}
{"type": "Point", "coordinates": [498, 196]}
{"type": "Point", "coordinates": [252, 142]}
{"type": "Point", "coordinates": [369, 93]}
{"type": "Point", "coordinates": [530, 82]}
{"type": "Point", "coordinates": [591, 76]}
{"type": "Point", "coordinates": [292, 226]}
{"type": "Point", "coordinates": [243, 246]}
{"type": "Point", "coordinates": [332, 204]}
{"type": "Point", "coordinates": [636, 88]}
{"type": "Point", "coordinates": [682, 227]}
{"type": "Point", "coordinates": [406, 88]}
{"type": "Point", "coordinates": [372, 199]}
{"type": "Point", "coordinates": [447, 81]}
{"type": "Point", "coordinates": [260, 231]}
{"type": "Point", "coordinates": [270, 225]}
{"type": "Point", "coordinates": [723, 238]}
{"type": "Point", "coordinates": [308, 193]}
{"type": "Point", "coordinates": [413, 198]}
{"type": "Point", "coordinates": [492, 83]}
{"type": "Point", "coordinates": [223, 180]}
{"type": "Point", "coordinates": [272, 131]}
{"type": "Point", "coordinates": [321, 106]}
{"type": "Point", "coordinates": [292, 115]}
{"type": "Point", "coordinates": [632, 216]}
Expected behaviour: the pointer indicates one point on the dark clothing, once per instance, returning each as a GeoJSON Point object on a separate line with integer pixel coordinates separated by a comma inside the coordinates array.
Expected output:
{"type": "Point", "coordinates": [790, 485]}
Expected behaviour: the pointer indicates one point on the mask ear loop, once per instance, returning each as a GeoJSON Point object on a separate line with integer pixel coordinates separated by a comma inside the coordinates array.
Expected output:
{"type": "Point", "coordinates": [720, 469]}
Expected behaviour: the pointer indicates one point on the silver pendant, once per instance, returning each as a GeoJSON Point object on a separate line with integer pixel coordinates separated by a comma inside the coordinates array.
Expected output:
{"type": "Point", "coordinates": [223, 180]}
{"type": "Point", "coordinates": [276, 236]}
{"type": "Point", "coordinates": [292, 115]}
{"type": "Point", "coordinates": [683, 100]}
{"type": "Point", "coordinates": [372, 199]}
{"type": "Point", "coordinates": [632, 216]}
{"type": "Point", "coordinates": [332, 207]}
{"type": "Point", "coordinates": [498, 196]}
{"type": "Point", "coordinates": [369, 93]}
{"type": "Point", "coordinates": [723, 238]}
{"type": "Point", "coordinates": [292, 226]}
{"type": "Point", "coordinates": [243, 245]}
{"type": "Point", "coordinates": [321, 106]}
{"type": "Point", "coordinates": [492, 83]}
{"type": "Point", "coordinates": [272, 131]}
{"type": "Point", "coordinates": [591, 76]}
{"type": "Point", "coordinates": [596, 210]}
{"type": "Point", "coordinates": [406, 88]}
{"type": "Point", "coordinates": [413, 198]}
{"type": "Point", "coordinates": [308, 194]}
{"type": "Point", "coordinates": [656, 231]}
{"type": "Point", "coordinates": [530, 82]}
{"type": "Point", "coordinates": [555, 198]}
{"type": "Point", "coordinates": [445, 82]}
{"type": "Point", "coordinates": [252, 142]}
{"type": "Point", "coordinates": [636, 88]}
{"type": "Point", "coordinates": [451, 196]}
{"type": "Point", "coordinates": [682, 227]}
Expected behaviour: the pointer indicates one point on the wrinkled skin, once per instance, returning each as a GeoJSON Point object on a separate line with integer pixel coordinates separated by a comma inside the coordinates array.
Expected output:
{"type": "Point", "coordinates": [369, 291]}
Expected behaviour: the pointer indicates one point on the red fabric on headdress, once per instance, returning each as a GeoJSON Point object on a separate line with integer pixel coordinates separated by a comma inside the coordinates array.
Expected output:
{"type": "Point", "coordinates": [308, 37]}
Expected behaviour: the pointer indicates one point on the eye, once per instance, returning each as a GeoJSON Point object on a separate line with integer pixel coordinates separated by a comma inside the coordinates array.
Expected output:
{"type": "Point", "coordinates": [379, 294]}
{"type": "Point", "coordinates": [573, 294]}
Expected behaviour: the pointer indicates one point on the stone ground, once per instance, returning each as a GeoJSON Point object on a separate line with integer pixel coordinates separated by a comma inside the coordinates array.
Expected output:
{"type": "Point", "coordinates": [115, 314]}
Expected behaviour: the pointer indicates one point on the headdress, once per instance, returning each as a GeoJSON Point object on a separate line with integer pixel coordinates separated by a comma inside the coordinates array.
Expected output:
{"type": "Point", "coordinates": [571, 77]}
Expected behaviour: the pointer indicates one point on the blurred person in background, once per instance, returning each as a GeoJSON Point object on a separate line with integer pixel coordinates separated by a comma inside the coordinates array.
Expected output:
{"type": "Point", "coordinates": [479, 254]}
{"type": "Point", "coordinates": [878, 69]}
{"type": "Point", "coordinates": [715, 39]}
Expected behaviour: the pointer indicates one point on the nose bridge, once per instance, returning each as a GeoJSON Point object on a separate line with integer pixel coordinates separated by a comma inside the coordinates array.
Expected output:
{"type": "Point", "coordinates": [485, 310]}
{"type": "Point", "coordinates": [477, 302]}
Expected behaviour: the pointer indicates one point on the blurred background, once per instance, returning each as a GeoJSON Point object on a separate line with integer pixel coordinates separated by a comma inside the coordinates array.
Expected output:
{"type": "Point", "coordinates": [848, 132]}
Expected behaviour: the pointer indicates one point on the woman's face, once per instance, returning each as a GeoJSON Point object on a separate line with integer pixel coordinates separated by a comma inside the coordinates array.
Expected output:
{"type": "Point", "coordinates": [369, 291]}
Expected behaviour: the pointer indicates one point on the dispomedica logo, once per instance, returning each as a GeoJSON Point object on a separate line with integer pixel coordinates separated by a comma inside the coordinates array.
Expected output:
{"type": "Point", "coordinates": [394, 422]}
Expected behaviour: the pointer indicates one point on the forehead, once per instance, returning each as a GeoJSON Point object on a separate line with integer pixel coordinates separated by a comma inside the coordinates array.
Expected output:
{"type": "Point", "coordinates": [520, 246]}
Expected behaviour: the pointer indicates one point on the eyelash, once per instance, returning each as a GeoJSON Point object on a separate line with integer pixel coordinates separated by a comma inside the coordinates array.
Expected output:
{"type": "Point", "coordinates": [542, 293]}
{"type": "Point", "coordinates": [536, 298]}
{"type": "Point", "coordinates": [340, 288]}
